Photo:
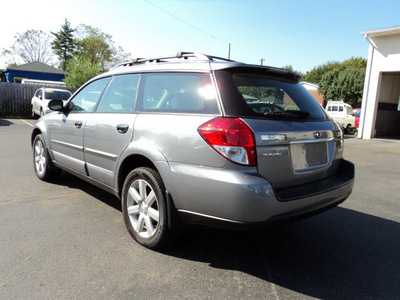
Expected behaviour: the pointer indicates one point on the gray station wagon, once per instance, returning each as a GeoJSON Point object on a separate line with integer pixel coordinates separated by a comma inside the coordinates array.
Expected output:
{"type": "Point", "coordinates": [197, 139]}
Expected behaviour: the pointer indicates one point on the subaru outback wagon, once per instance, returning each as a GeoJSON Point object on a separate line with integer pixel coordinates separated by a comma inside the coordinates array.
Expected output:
{"type": "Point", "coordinates": [197, 139]}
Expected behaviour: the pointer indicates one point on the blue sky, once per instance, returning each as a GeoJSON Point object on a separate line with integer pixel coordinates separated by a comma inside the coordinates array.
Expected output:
{"type": "Point", "coordinates": [303, 34]}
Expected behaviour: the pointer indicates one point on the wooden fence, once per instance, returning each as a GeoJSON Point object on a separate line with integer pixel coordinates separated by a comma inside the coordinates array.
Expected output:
{"type": "Point", "coordinates": [15, 99]}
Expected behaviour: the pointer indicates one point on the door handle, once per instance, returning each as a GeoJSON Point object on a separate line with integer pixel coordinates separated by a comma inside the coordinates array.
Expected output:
{"type": "Point", "coordinates": [122, 128]}
{"type": "Point", "coordinates": [78, 124]}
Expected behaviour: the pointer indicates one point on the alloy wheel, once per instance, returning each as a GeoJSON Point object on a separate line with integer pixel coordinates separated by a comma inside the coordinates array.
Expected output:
{"type": "Point", "coordinates": [142, 208]}
{"type": "Point", "coordinates": [40, 158]}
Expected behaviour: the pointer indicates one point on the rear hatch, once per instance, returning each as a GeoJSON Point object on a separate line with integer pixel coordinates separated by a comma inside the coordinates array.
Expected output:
{"type": "Point", "coordinates": [297, 145]}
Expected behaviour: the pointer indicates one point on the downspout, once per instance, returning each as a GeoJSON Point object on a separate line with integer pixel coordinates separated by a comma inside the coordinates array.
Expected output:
{"type": "Point", "coordinates": [370, 61]}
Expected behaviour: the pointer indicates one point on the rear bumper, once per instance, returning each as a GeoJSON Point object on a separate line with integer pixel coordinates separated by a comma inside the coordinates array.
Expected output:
{"type": "Point", "coordinates": [235, 199]}
{"type": "Point", "coordinates": [198, 219]}
{"type": "Point", "coordinates": [343, 175]}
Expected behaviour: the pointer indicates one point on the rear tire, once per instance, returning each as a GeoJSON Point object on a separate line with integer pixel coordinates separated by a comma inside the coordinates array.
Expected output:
{"type": "Point", "coordinates": [347, 130]}
{"type": "Point", "coordinates": [42, 164]}
{"type": "Point", "coordinates": [144, 208]}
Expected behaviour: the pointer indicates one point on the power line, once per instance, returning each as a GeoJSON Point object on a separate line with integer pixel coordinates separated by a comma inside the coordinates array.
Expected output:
{"type": "Point", "coordinates": [187, 23]}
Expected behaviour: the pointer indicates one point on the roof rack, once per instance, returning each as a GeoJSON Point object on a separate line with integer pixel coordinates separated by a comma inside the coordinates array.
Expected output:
{"type": "Point", "coordinates": [179, 55]}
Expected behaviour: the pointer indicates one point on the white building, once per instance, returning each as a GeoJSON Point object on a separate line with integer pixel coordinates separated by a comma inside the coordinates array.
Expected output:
{"type": "Point", "coordinates": [380, 110]}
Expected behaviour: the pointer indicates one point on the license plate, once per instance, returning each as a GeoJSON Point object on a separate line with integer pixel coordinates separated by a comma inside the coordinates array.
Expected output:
{"type": "Point", "coordinates": [309, 155]}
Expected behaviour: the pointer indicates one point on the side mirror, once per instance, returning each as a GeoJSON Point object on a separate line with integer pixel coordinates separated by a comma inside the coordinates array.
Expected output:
{"type": "Point", "coordinates": [57, 105]}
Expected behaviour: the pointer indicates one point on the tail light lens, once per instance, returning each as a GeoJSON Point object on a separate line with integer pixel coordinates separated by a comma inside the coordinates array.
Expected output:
{"type": "Point", "coordinates": [231, 138]}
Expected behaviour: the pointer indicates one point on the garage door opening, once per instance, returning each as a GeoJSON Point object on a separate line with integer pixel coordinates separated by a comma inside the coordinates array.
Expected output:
{"type": "Point", "coordinates": [388, 115]}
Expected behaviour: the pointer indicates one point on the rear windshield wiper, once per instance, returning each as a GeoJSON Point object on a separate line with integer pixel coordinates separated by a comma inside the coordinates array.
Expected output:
{"type": "Point", "coordinates": [300, 114]}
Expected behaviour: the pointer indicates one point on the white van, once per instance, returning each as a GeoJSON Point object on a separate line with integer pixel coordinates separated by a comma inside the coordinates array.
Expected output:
{"type": "Point", "coordinates": [342, 113]}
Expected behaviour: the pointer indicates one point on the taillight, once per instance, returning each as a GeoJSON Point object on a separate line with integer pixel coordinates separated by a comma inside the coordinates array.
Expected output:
{"type": "Point", "coordinates": [231, 138]}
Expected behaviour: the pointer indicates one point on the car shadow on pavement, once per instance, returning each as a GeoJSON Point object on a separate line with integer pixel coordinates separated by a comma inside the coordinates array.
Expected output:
{"type": "Point", "coordinates": [5, 122]}
{"type": "Point", "coordinates": [341, 254]}
{"type": "Point", "coordinates": [71, 181]}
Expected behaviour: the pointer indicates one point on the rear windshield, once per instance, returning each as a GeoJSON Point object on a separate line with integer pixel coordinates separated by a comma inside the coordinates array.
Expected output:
{"type": "Point", "coordinates": [259, 95]}
{"type": "Point", "coordinates": [57, 95]}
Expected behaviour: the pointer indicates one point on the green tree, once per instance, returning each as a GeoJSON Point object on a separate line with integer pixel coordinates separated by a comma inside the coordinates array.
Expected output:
{"type": "Point", "coordinates": [340, 80]}
{"type": "Point", "coordinates": [355, 63]}
{"type": "Point", "coordinates": [64, 44]}
{"type": "Point", "coordinates": [327, 82]}
{"type": "Point", "coordinates": [30, 46]}
{"type": "Point", "coordinates": [316, 73]}
{"type": "Point", "coordinates": [98, 47]}
{"type": "Point", "coordinates": [290, 68]}
{"type": "Point", "coordinates": [351, 85]}
{"type": "Point", "coordinates": [346, 84]}
{"type": "Point", "coordinates": [95, 53]}
{"type": "Point", "coordinates": [79, 71]}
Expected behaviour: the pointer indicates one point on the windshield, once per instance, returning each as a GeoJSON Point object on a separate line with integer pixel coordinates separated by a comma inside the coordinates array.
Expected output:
{"type": "Point", "coordinates": [267, 96]}
{"type": "Point", "coordinates": [57, 95]}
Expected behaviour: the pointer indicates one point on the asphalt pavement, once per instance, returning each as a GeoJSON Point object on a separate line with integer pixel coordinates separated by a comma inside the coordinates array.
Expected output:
{"type": "Point", "coordinates": [67, 240]}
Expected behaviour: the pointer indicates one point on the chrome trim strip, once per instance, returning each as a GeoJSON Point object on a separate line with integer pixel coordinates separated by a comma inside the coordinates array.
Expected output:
{"type": "Point", "coordinates": [73, 146]}
{"type": "Point", "coordinates": [101, 153]}
{"type": "Point", "coordinates": [208, 216]}
{"type": "Point", "coordinates": [311, 141]}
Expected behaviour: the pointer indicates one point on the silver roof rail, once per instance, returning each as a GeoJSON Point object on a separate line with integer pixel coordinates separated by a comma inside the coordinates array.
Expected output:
{"type": "Point", "coordinates": [179, 55]}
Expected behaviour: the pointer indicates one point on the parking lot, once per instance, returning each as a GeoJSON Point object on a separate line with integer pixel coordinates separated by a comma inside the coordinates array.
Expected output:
{"type": "Point", "coordinates": [67, 240]}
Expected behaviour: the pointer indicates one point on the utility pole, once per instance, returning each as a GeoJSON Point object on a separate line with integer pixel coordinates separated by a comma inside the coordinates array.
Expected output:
{"type": "Point", "coordinates": [262, 61]}
{"type": "Point", "coordinates": [229, 51]}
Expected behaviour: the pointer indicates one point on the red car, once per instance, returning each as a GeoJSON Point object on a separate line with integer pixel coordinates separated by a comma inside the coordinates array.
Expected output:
{"type": "Point", "coordinates": [357, 114]}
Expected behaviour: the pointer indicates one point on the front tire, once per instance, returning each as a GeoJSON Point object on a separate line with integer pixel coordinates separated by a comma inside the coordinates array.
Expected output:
{"type": "Point", "coordinates": [144, 208]}
{"type": "Point", "coordinates": [42, 164]}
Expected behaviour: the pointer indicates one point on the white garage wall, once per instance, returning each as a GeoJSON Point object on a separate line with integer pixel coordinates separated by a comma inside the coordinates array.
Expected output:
{"type": "Point", "coordinates": [384, 57]}
{"type": "Point", "coordinates": [390, 89]}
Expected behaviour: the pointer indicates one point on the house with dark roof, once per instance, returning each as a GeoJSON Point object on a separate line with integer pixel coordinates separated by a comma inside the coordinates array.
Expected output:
{"type": "Point", "coordinates": [34, 70]}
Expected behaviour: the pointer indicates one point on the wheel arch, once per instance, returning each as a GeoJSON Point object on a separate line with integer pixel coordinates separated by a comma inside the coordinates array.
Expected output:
{"type": "Point", "coordinates": [35, 132]}
{"type": "Point", "coordinates": [128, 164]}
{"type": "Point", "coordinates": [138, 160]}
{"type": "Point", "coordinates": [40, 128]}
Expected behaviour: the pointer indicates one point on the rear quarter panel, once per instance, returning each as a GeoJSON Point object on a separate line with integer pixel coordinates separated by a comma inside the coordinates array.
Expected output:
{"type": "Point", "coordinates": [176, 137]}
{"type": "Point", "coordinates": [172, 139]}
